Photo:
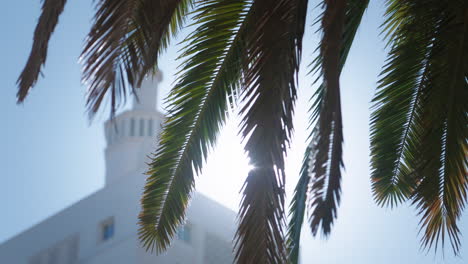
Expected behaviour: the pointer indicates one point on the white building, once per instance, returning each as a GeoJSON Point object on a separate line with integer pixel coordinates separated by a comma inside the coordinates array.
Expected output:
{"type": "Point", "coordinates": [102, 228]}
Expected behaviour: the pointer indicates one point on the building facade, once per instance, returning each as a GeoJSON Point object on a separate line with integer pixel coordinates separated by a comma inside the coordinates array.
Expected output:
{"type": "Point", "coordinates": [102, 228]}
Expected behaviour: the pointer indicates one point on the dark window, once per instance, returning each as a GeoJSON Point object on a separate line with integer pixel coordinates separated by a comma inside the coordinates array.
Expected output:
{"type": "Point", "coordinates": [108, 229]}
{"type": "Point", "coordinates": [142, 127]}
{"type": "Point", "coordinates": [132, 127]}
{"type": "Point", "coordinates": [150, 128]}
{"type": "Point", "coordinates": [122, 128]}
{"type": "Point", "coordinates": [184, 233]}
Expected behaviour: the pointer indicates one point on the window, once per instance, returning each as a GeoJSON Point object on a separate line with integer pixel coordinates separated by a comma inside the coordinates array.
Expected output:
{"type": "Point", "coordinates": [184, 233]}
{"type": "Point", "coordinates": [122, 128]}
{"type": "Point", "coordinates": [150, 128]}
{"type": "Point", "coordinates": [142, 127]}
{"type": "Point", "coordinates": [107, 229]}
{"type": "Point", "coordinates": [132, 127]}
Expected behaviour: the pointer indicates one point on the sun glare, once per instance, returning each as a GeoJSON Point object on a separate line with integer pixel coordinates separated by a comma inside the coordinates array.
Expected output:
{"type": "Point", "coordinates": [226, 169]}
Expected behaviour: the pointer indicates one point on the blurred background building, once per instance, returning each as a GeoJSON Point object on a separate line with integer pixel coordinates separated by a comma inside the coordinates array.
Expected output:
{"type": "Point", "coordinates": [102, 228]}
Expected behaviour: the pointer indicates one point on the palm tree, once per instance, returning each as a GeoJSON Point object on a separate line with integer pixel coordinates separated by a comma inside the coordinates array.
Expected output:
{"type": "Point", "coordinates": [246, 54]}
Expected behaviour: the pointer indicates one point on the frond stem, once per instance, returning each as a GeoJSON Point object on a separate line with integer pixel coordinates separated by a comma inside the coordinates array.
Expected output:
{"type": "Point", "coordinates": [408, 124]}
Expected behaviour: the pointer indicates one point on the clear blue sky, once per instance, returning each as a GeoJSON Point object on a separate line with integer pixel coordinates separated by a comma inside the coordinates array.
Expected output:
{"type": "Point", "coordinates": [52, 157]}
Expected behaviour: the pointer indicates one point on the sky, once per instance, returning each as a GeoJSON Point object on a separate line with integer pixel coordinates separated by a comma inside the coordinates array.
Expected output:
{"type": "Point", "coordinates": [52, 156]}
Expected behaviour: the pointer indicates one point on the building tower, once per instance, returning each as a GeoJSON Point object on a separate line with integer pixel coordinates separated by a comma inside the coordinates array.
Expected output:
{"type": "Point", "coordinates": [130, 136]}
{"type": "Point", "coordinates": [102, 227]}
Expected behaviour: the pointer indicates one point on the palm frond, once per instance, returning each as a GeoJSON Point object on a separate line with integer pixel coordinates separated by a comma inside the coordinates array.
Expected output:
{"type": "Point", "coordinates": [438, 155]}
{"type": "Point", "coordinates": [340, 21]}
{"type": "Point", "coordinates": [51, 10]}
{"type": "Point", "coordinates": [297, 210]}
{"type": "Point", "coordinates": [123, 46]}
{"type": "Point", "coordinates": [419, 132]}
{"type": "Point", "coordinates": [198, 104]}
{"type": "Point", "coordinates": [104, 53]}
{"type": "Point", "coordinates": [156, 23]}
{"type": "Point", "coordinates": [397, 97]}
{"type": "Point", "coordinates": [274, 49]}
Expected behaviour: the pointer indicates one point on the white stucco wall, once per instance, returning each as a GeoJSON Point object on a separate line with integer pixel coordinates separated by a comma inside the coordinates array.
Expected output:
{"type": "Point", "coordinates": [119, 200]}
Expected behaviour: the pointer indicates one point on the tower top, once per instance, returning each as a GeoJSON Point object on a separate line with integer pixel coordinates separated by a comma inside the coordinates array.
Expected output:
{"type": "Point", "coordinates": [145, 97]}
{"type": "Point", "coordinates": [130, 136]}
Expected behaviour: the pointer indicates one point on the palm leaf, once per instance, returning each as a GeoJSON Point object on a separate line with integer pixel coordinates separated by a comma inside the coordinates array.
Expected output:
{"type": "Point", "coordinates": [396, 99]}
{"type": "Point", "coordinates": [123, 45]}
{"type": "Point", "coordinates": [51, 10]}
{"type": "Point", "coordinates": [274, 47]}
{"type": "Point", "coordinates": [297, 210]}
{"type": "Point", "coordinates": [105, 54]}
{"type": "Point", "coordinates": [438, 156]}
{"type": "Point", "coordinates": [327, 148]}
{"type": "Point", "coordinates": [156, 23]}
{"type": "Point", "coordinates": [420, 100]}
{"type": "Point", "coordinates": [207, 81]}
{"type": "Point", "coordinates": [340, 21]}
{"type": "Point", "coordinates": [354, 12]}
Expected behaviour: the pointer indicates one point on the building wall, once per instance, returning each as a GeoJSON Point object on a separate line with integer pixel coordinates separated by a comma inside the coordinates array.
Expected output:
{"type": "Point", "coordinates": [119, 200]}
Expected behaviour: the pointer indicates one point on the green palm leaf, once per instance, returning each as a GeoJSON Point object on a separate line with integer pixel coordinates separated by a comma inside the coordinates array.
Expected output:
{"type": "Point", "coordinates": [354, 11]}
{"type": "Point", "coordinates": [396, 99]}
{"type": "Point", "coordinates": [155, 23]}
{"type": "Point", "coordinates": [340, 22]}
{"type": "Point", "coordinates": [198, 105]}
{"type": "Point", "coordinates": [297, 210]}
{"type": "Point", "coordinates": [51, 10]}
{"type": "Point", "coordinates": [419, 125]}
{"type": "Point", "coordinates": [327, 134]}
{"type": "Point", "coordinates": [274, 48]}
{"type": "Point", "coordinates": [105, 53]}
{"type": "Point", "coordinates": [443, 177]}
{"type": "Point", "coordinates": [124, 43]}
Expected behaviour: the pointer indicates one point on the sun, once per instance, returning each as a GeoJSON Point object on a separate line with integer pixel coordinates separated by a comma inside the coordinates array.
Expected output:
{"type": "Point", "coordinates": [226, 168]}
